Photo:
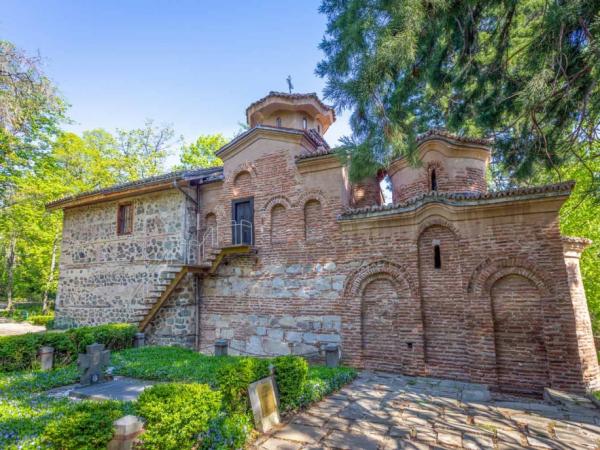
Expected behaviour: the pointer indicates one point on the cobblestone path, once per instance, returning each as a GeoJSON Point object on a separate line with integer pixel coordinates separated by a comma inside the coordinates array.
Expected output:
{"type": "Point", "coordinates": [382, 411]}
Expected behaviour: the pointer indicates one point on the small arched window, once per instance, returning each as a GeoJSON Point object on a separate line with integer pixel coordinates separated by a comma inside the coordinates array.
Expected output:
{"type": "Point", "coordinates": [433, 180]}
{"type": "Point", "coordinates": [304, 123]}
{"type": "Point", "coordinates": [437, 257]}
{"type": "Point", "coordinates": [278, 122]}
{"type": "Point", "coordinates": [319, 129]}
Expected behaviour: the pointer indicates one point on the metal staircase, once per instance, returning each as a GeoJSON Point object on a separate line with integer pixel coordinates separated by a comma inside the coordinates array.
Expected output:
{"type": "Point", "coordinates": [209, 254]}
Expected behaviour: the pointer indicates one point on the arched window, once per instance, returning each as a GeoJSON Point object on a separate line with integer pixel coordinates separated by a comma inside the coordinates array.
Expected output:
{"type": "Point", "coordinates": [278, 122]}
{"type": "Point", "coordinates": [433, 180]}
{"type": "Point", "coordinates": [437, 257]}
{"type": "Point", "coordinates": [304, 123]}
{"type": "Point", "coordinates": [278, 224]}
{"type": "Point", "coordinates": [319, 129]}
{"type": "Point", "coordinates": [312, 220]}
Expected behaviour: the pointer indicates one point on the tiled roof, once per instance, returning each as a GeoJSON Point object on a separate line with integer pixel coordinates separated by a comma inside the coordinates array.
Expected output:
{"type": "Point", "coordinates": [577, 240]}
{"type": "Point", "coordinates": [207, 174]}
{"type": "Point", "coordinates": [321, 151]}
{"type": "Point", "coordinates": [461, 198]}
{"type": "Point", "coordinates": [440, 132]}
{"type": "Point", "coordinates": [311, 135]}
{"type": "Point", "coordinates": [292, 96]}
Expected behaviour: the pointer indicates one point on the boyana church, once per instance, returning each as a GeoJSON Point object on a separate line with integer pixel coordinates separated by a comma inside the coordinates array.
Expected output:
{"type": "Point", "coordinates": [278, 252]}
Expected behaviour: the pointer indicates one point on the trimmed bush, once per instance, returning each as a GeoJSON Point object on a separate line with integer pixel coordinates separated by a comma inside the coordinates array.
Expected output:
{"type": "Point", "coordinates": [233, 380]}
{"type": "Point", "coordinates": [177, 414]}
{"type": "Point", "coordinates": [229, 430]}
{"type": "Point", "coordinates": [20, 352]}
{"type": "Point", "coordinates": [87, 425]}
{"type": "Point", "coordinates": [323, 381]}
{"type": "Point", "coordinates": [291, 373]}
{"type": "Point", "coordinates": [40, 319]}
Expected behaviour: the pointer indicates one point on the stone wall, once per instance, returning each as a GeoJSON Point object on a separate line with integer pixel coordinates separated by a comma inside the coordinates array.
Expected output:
{"type": "Point", "coordinates": [107, 278]}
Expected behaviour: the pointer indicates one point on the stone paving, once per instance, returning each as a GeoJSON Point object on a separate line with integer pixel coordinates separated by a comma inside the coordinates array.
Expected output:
{"type": "Point", "coordinates": [383, 411]}
{"type": "Point", "coordinates": [16, 328]}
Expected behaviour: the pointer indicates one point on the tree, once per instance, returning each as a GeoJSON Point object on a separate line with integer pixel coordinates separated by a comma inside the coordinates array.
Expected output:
{"type": "Point", "coordinates": [30, 112]}
{"type": "Point", "coordinates": [526, 73]}
{"type": "Point", "coordinates": [201, 154]}
{"type": "Point", "coordinates": [579, 217]}
{"type": "Point", "coordinates": [144, 150]}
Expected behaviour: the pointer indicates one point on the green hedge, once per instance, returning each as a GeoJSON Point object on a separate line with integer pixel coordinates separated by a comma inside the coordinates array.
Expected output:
{"type": "Point", "coordinates": [20, 352]}
{"type": "Point", "coordinates": [177, 414]}
{"type": "Point", "coordinates": [85, 426]}
{"type": "Point", "coordinates": [233, 380]}
{"type": "Point", "coordinates": [41, 319]}
{"type": "Point", "coordinates": [291, 373]}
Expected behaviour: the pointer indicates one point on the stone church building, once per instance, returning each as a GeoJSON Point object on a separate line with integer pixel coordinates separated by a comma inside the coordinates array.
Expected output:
{"type": "Point", "coordinates": [278, 252]}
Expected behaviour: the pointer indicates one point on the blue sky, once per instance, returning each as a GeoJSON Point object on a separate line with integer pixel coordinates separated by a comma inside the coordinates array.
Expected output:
{"type": "Point", "coordinates": [193, 64]}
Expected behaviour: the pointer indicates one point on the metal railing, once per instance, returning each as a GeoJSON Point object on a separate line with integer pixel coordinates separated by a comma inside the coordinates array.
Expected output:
{"type": "Point", "coordinates": [187, 251]}
{"type": "Point", "coordinates": [220, 235]}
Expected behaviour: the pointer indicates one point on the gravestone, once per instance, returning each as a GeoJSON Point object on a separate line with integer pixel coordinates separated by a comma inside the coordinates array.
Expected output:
{"type": "Point", "coordinates": [46, 357]}
{"type": "Point", "coordinates": [221, 347]}
{"type": "Point", "coordinates": [92, 364]}
{"type": "Point", "coordinates": [265, 404]}
{"type": "Point", "coordinates": [139, 340]}
{"type": "Point", "coordinates": [332, 355]}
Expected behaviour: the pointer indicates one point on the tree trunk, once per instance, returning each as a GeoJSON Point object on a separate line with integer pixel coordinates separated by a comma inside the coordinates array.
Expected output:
{"type": "Point", "coordinates": [51, 275]}
{"type": "Point", "coordinates": [10, 270]}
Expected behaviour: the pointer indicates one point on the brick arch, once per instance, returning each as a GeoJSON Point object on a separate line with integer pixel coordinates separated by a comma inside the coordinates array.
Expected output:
{"type": "Point", "coordinates": [360, 278]}
{"type": "Point", "coordinates": [488, 272]}
{"type": "Point", "coordinates": [244, 167]}
{"type": "Point", "coordinates": [312, 194]}
{"type": "Point", "coordinates": [438, 221]}
{"type": "Point", "coordinates": [277, 200]}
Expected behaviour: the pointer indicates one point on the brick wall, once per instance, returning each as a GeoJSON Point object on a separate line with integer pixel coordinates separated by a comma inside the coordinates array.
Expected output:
{"type": "Point", "coordinates": [372, 286]}
{"type": "Point", "coordinates": [367, 283]}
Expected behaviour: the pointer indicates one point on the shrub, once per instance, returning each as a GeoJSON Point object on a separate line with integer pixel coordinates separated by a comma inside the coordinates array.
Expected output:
{"type": "Point", "coordinates": [323, 381]}
{"type": "Point", "coordinates": [20, 352]}
{"type": "Point", "coordinates": [40, 319]}
{"type": "Point", "coordinates": [177, 414]}
{"type": "Point", "coordinates": [291, 373]}
{"type": "Point", "coordinates": [227, 431]}
{"type": "Point", "coordinates": [87, 425]}
{"type": "Point", "coordinates": [233, 380]}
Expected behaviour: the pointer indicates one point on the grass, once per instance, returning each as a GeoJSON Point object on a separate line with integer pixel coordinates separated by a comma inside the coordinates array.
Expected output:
{"type": "Point", "coordinates": [25, 410]}
{"type": "Point", "coordinates": [168, 364]}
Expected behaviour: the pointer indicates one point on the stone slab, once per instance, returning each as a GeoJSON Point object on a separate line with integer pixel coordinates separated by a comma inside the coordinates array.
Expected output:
{"type": "Point", "coordinates": [301, 433]}
{"type": "Point", "coordinates": [351, 441]}
{"type": "Point", "coordinates": [120, 388]}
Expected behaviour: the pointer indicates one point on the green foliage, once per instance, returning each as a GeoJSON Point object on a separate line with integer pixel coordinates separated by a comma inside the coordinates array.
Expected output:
{"type": "Point", "coordinates": [291, 373]}
{"type": "Point", "coordinates": [227, 431]}
{"type": "Point", "coordinates": [526, 73]}
{"type": "Point", "coordinates": [87, 425]}
{"type": "Point", "coordinates": [233, 380]}
{"type": "Point", "coordinates": [323, 381]}
{"type": "Point", "coordinates": [41, 319]}
{"type": "Point", "coordinates": [201, 154]}
{"type": "Point", "coordinates": [169, 364]}
{"type": "Point", "coordinates": [20, 352]}
{"type": "Point", "coordinates": [176, 414]}
{"type": "Point", "coordinates": [25, 414]}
